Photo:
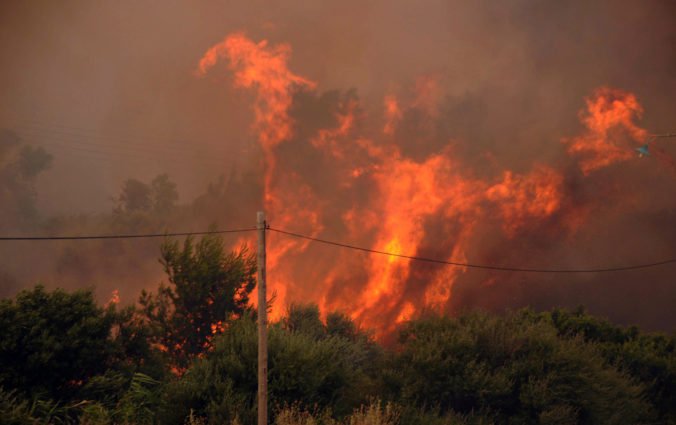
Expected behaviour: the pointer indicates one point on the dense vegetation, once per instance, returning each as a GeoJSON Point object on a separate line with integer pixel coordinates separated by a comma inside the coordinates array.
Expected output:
{"type": "Point", "coordinates": [187, 354]}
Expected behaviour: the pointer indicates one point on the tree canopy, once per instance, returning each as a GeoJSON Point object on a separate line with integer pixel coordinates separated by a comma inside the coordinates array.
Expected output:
{"type": "Point", "coordinates": [207, 288]}
{"type": "Point", "coordinates": [53, 342]}
{"type": "Point", "coordinates": [66, 359]}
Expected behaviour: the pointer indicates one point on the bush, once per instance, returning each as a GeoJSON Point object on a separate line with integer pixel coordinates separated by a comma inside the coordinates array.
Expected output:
{"type": "Point", "coordinates": [53, 342]}
{"type": "Point", "coordinates": [15, 411]}
{"type": "Point", "coordinates": [208, 287]}
{"type": "Point", "coordinates": [317, 373]}
{"type": "Point", "coordinates": [66, 360]}
{"type": "Point", "coordinates": [515, 368]}
{"type": "Point", "coordinates": [649, 358]}
{"type": "Point", "coordinates": [374, 413]}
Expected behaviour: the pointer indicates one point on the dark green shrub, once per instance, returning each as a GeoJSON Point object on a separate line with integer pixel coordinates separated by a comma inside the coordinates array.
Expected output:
{"type": "Point", "coordinates": [315, 372]}
{"type": "Point", "coordinates": [53, 342]}
{"type": "Point", "coordinates": [519, 370]}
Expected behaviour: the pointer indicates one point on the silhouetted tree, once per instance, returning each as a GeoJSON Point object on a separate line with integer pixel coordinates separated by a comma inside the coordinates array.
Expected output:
{"type": "Point", "coordinates": [135, 197]}
{"type": "Point", "coordinates": [52, 342]}
{"type": "Point", "coordinates": [33, 161]}
{"type": "Point", "coordinates": [164, 194]}
{"type": "Point", "coordinates": [19, 166]}
{"type": "Point", "coordinates": [305, 318]}
{"type": "Point", "coordinates": [207, 288]}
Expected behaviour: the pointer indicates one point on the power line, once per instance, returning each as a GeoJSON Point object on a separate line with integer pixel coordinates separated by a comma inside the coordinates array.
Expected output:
{"type": "Point", "coordinates": [132, 236]}
{"type": "Point", "coordinates": [664, 135]}
{"type": "Point", "coordinates": [475, 266]}
{"type": "Point", "coordinates": [348, 246]}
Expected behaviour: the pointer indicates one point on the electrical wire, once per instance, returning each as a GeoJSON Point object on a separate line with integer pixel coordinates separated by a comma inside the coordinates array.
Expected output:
{"type": "Point", "coordinates": [475, 266]}
{"type": "Point", "coordinates": [76, 136]}
{"type": "Point", "coordinates": [132, 236]}
{"type": "Point", "coordinates": [344, 245]}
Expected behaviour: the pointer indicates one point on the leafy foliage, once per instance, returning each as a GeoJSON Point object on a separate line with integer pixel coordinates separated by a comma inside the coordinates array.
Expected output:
{"type": "Point", "coordinates": [67, 360]}
{"type": "Point", "coordinates": [516, 368]}
{"type": "Point", "coordinates": [15, 411]}
{"type": "Point", "coordinates": [316, 372]}
{"type": "Point", "coordinates": [207, 288]}
{"type": "Point", "coordinates": [52, 342]}
{"type": "Point", "coordinates": [135, 400]}
{"type": "Point", "coordinates": [649, 358]}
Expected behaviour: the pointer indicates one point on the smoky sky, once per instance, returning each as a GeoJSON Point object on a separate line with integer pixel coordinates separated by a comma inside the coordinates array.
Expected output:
{"type": "Point", "coordinates": [109, 89]}
{"type": "Point", "coordinates": [122, 72]}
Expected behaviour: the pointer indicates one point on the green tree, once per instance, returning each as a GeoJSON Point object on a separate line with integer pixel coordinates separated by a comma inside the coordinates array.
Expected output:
{"type": "Point", "coordinates": [207, 288]}
{"type": "Point", "coordinates": [518, 368]}
{"type": "Point", "coordinates": [52, 342]}
{"type": "Point", "coordinates": [305, 318]}
{"type": "Point", "coordinates": [648, 357]}
{"type": "Point", "coordinates": [315, 373]}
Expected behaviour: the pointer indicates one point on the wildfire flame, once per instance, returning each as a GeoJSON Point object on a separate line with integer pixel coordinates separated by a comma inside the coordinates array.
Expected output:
{"type": "Point", "coordinates": [406, 197]}
{"type": "Point", "coordinates": [610, 130]}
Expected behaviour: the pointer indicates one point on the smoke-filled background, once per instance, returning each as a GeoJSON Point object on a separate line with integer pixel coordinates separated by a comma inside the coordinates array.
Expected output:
{"type": "Point", "coordinates": [498, 133]}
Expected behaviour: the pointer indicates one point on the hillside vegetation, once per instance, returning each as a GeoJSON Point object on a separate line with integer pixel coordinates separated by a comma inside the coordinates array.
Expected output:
{"type": "Point", "coordinates": [187, 355]}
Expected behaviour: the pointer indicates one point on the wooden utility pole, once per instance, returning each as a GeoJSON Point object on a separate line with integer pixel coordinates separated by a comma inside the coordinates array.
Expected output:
{"type": "Point", "coordinates": [262, 325]}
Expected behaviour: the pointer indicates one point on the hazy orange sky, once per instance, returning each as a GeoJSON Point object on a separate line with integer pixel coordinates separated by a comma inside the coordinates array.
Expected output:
{"type": "Point", "coordinates": [487, 92]}
{"type": "Point", "coordinates": [112, 75]}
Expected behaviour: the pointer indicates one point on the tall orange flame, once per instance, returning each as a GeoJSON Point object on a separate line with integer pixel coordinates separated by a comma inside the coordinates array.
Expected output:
{"type": "Point", "coordinates": [264, 68]}
{"type": "Point", "coordinates": [406, 197]}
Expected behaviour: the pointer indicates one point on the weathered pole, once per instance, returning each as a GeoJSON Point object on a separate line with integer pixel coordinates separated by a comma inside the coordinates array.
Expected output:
{"type": "Point", "coordinates": [262, 325]}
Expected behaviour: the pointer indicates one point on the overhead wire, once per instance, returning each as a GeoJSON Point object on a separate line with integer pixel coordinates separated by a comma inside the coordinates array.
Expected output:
{"type": "Point", "coordinates": [473, 265]}
{"type": "Point", "coordinates": [347, 246]}
{"type": "Point", "coordinates": [663, 135]}
{"type": "Point", "coordinates": [75, 141]}
{"type": "Point", "coordinates": [127, 236]}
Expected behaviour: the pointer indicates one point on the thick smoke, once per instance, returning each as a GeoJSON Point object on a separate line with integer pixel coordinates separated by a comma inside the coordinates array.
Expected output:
{"type": "Point", "coordinates": [473, 100]}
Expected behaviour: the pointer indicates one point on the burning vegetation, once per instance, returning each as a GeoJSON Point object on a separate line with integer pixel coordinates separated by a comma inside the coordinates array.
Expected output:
{"type": "Point", "coordinates": [516, 146]}
{"type": "Point", "coordinates": [355, 180]}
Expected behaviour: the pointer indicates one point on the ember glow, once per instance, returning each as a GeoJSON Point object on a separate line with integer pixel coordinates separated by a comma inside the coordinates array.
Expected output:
{"type": "Point", "coordinates": [345, 182]}
{"type": "Point", "coordinates": [114, 298]}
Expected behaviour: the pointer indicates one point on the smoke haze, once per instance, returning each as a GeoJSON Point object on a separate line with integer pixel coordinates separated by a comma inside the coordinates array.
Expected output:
{"type": "Point", "coordinates": [441, 129]}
